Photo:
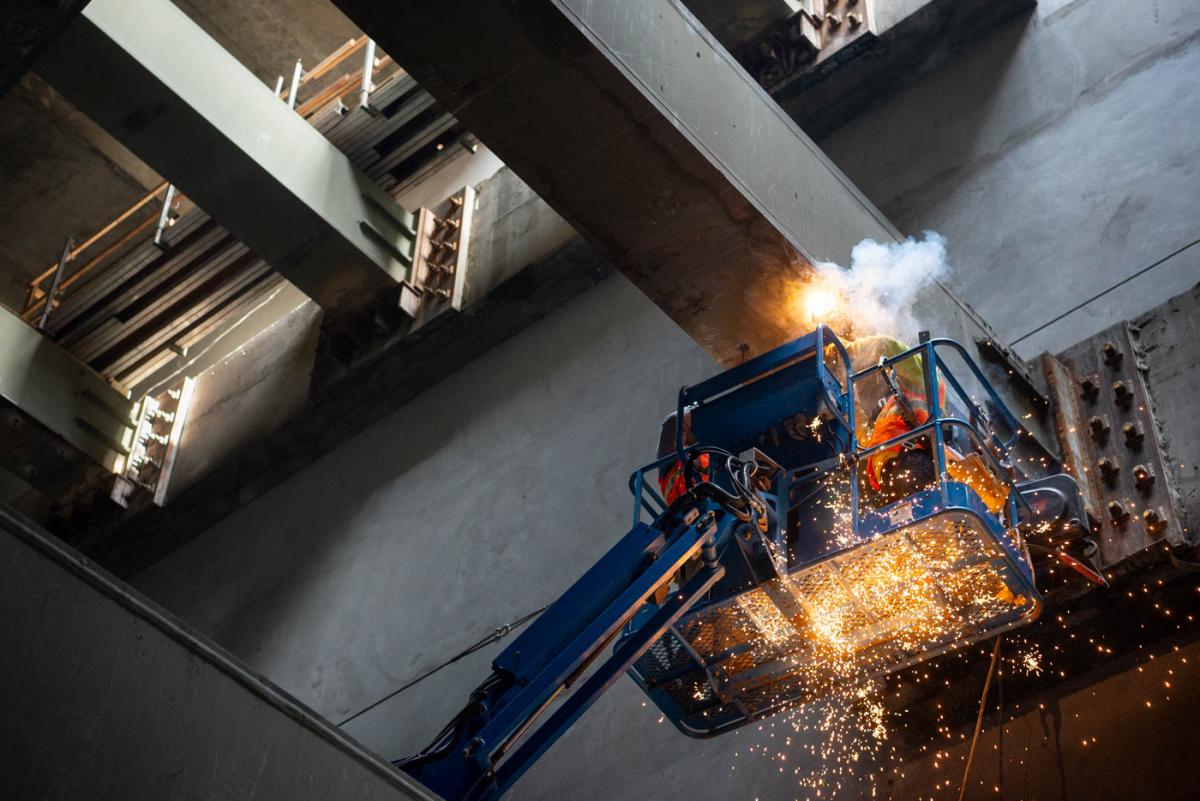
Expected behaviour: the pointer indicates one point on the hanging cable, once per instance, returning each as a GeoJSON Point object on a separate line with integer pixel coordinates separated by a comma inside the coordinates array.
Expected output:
{"type": "Point", "coordinates": [1000, 727]}
{"type": "Point", "coordinates": [495, 636]}
{"type": "Point", "coordinates": [987, 683]}
{"type": "Point", "coordinates": [1101, 294]}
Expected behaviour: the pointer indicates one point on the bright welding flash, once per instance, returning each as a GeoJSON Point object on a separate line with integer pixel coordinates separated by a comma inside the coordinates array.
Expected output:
{"type": "Point", "coordinates": [819, 303]}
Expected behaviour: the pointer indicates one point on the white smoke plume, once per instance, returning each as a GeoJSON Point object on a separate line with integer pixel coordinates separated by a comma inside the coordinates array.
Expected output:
{"type": "Point", "coordinates": [875, 295]}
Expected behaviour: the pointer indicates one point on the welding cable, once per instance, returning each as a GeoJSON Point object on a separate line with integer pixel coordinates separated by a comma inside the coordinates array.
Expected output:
{"type": "Point", "coordinates": [987, 683]}
{"type": "Point", "coordinates": [705, 489]}
{"type": "Point", "coordinates": [1183, 564]}
{"type": "Point", "coordinates": [1078, 566]}
{"type": "Point", "coordinates": [496, 635]}
{"type": "Point", "coordinates": [452, 731]}
{"type": "Point", "coordinates": [741, 475]}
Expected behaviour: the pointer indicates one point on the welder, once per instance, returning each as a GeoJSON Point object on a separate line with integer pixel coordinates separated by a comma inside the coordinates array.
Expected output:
{"type": "Point", "coordinates": [887, 405]}
{"type": "Point", "coordinates": [671, 480]}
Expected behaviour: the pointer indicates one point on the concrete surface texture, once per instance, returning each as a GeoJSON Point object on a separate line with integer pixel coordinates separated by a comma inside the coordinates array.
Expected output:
{"type": "Point", "coordinates": [1055, 155]}
{"type": "Point", "coordinates": [1058, 156]}
{"type": "Point", "coordinates": [249, 393]}
{"type": "Point", "coordinates": [60, 175]}
{"type": "Point", "coordinates": [268, 37]}
{"type": "Point", "coordinates": [113, 700]}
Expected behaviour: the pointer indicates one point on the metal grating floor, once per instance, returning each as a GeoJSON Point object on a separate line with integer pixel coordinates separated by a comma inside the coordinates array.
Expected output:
{"type": "Point", "coordinates": [891, 602]}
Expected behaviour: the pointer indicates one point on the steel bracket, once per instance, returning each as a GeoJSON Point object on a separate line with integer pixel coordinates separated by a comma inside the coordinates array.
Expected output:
{"type": "Point", "coordinates": [439, 268]}
{"type": "Point", "coordinates": [160, 422]}
{"type": "Point", "coordinates": [1110, 443]}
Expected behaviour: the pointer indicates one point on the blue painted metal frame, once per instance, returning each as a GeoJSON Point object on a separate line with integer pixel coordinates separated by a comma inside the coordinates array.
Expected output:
{"type": "Point", "coordinates": [947, 497]}
{"type": "Point", "coordinates": [557, 650]}
{"type": "Point", "coordinates": [934, 366]}
{"type": "Point", "coordinates": [496, 741]}
{"type": "Point", "coordinates": [813, 345]}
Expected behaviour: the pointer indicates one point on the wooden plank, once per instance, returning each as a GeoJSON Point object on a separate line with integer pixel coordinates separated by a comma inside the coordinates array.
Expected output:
{"type": "Point", "coordinates": [32, 311]}
{"type": "Point", "coordinates": [49, 271]}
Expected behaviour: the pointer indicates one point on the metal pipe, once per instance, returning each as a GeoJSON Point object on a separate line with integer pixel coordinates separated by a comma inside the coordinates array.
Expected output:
{"type": "Point", "coordinates": [929, 364]}
{"type": "Point", "coordinates": [368, 73]}
{"type": "Point", "coordinates": [296, 73]}
{"type": "Point", "coordinates": [58, 272]}
{"type": "Point", "coordinates": [278, 85]}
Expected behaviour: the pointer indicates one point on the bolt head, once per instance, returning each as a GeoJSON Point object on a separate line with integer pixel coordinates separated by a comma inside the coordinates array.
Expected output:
{"type": "Point", "coordinates": [1121, 394]}
{"type": "Point", "coordinates": [1133, 434]}
{"type": "Point", "coordinates": [1154, 520]}
{"type": "Point", "coordinates": [1143, 478]}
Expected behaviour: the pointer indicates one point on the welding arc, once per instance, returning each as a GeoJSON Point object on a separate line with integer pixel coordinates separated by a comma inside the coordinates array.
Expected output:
{"type": "Point", "coordinates": [987, 683]}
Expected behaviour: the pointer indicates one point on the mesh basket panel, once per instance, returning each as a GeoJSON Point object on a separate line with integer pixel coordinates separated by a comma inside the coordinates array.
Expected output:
{"type": "Point", "coordinates": [897, 599]}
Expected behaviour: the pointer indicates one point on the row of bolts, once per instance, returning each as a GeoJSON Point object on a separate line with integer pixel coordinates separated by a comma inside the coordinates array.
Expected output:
{"type": "Point", "coordinates": [1143, 475]}
{"type": "Point", "coordinates": [833, 20]}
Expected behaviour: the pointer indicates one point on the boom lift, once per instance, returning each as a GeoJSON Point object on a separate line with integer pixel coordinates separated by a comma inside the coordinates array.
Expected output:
{"type": "Point", "coordinates": [779, 571]}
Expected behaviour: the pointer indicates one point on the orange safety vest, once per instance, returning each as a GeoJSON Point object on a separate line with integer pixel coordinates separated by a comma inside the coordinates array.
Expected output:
{"type": "Point", "coordinates": [671, 482]}
{"type": "Point", "coordinates": [888, 424]}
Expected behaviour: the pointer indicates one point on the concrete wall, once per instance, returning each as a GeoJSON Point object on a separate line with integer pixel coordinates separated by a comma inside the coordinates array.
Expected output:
{"type": "Point", "coordinates": [480, 501]}
{"type": "Point", "coordinates": [108, 699]}
{"type": "Point", "coordinates": [1056, 156]}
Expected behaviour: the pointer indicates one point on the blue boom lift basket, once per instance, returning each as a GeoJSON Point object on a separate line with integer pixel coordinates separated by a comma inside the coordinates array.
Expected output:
{"type": "Point", "coordinates": [839, 584]}
{"type": "Point", "coordinates": [781, 569]}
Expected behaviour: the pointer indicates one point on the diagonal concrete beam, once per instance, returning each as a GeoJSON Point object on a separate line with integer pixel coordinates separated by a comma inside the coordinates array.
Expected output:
{"type": "Point", "coordinates": [179, 101]}
{"type": "Point", "coordinates": [632, 122]}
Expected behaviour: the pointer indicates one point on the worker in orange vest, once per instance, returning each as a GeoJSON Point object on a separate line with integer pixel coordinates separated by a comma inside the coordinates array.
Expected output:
{"type": "Point", "coordinates": [670, 478]}
{"type": "Point", "coordinates": [889, 404]}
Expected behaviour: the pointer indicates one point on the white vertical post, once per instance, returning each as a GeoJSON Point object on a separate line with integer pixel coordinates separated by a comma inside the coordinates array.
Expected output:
{"type": "Point", "coordinates": [368, 73]}
{"type": "Point", "coordinates": [54, 282]}
{"type": "Point", "coordinates": [295, 84]}
{"type": "Point", "coordinates": [164, 217]}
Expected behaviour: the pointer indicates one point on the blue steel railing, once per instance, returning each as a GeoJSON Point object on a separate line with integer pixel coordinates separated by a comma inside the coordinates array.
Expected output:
{"type": "Point", "coordinates": [933, 368]}
{"type": "Point", "coordinates": [840, 398]}
{"type": "Point", "coordinates": [838, 402]}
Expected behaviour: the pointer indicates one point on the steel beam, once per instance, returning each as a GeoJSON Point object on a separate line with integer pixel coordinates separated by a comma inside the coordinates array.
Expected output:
{"type": "Point", "coordinates": [640, 129]}
{"type": "Point", "coordinates": [48, 384]}
{"type": "Point", "coordinates": [172, 95]}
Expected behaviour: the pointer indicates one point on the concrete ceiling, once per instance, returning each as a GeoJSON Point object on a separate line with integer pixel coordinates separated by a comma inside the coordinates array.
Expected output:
{"type": "Point", "coordinates": [61, 174]}
{"type": "Point", "coordinates": [267, 36]}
